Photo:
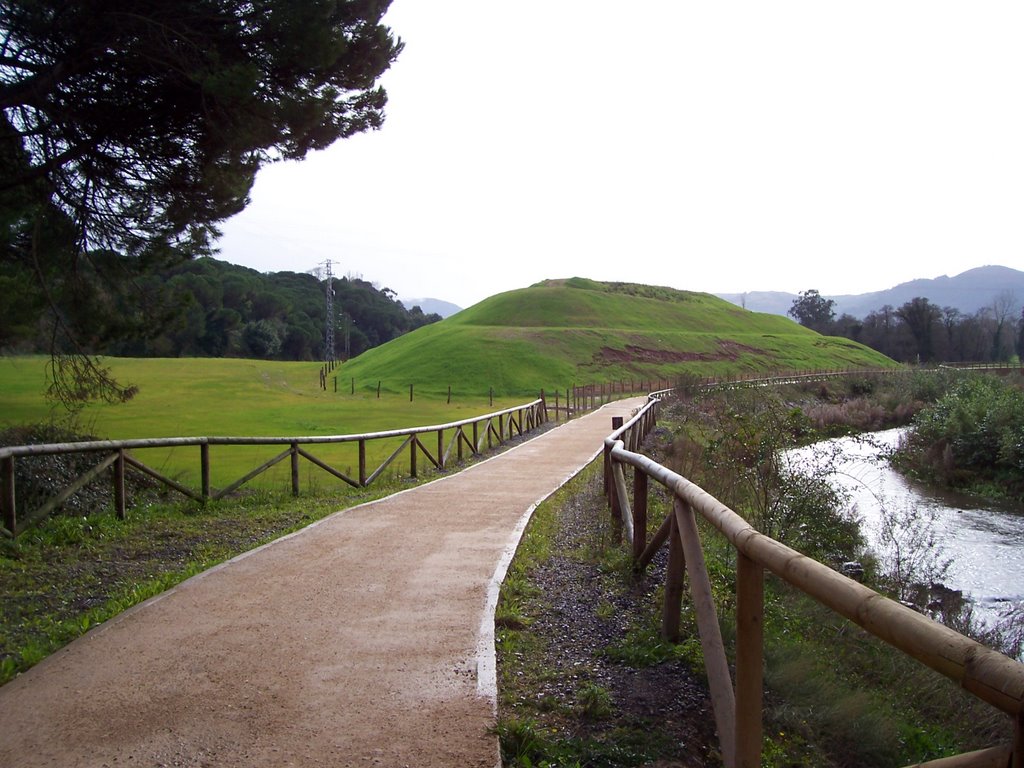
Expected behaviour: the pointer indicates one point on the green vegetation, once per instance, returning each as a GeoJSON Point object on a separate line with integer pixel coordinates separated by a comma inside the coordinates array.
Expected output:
{"type": "Point", "coordinates": [224, 310]}
{"type": "Point", "coordinates": [210, 308]}
{"type": "Point", "coordinates": [972, 438]}
{"type": "Point", "coordinates": [919, 331]}
{"type": "Point", "coordinates": [557, 333]}
{"type": "Point", "coordinates": [129, 134]}
{"type": "Point", "coordinates": [559, 704]}
{"type": "Point", "coordinates": [205, 397]}
{"type": "Point", "coordinates": [835, 695]}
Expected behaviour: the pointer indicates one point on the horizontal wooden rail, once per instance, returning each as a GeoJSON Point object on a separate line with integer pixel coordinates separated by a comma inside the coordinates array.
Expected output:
{"type": "Point", "coordinates": [499, 427]}
{"type": "Point", "coordinates": [987, 674]}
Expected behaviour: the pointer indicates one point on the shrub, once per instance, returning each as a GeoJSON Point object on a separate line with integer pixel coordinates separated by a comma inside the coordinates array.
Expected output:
{"type": "Point", "coordinates": [974, 433]}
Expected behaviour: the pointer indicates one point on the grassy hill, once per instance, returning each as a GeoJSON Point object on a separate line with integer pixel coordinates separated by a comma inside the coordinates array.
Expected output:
{"type": "Point", "coordinates": [561, 332]}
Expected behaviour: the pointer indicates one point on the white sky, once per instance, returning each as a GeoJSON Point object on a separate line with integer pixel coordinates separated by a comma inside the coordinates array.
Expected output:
{"type": "Point", "coordinates": [713, 146]}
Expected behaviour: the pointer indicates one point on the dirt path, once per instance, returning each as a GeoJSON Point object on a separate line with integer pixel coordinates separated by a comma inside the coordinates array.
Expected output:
{"type": "Point", "coordinates": [362, 640]}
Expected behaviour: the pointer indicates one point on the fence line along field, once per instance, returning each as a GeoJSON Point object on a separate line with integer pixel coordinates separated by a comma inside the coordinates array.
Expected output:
{"type": "Point", "coordinates": [196, 397]}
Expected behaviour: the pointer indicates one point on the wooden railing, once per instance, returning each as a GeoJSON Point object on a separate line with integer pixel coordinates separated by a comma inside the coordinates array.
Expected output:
{"type": "Point", "coordinates": [586, 397]}
{"type": "Point", "coordinates": [987, 674]}
{"type": "Point", "coordinates": [470, 435]}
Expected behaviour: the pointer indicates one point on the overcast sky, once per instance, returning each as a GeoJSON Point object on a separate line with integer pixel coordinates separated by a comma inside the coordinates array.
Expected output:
{"type": "Point", "coordinates": [712, 146]}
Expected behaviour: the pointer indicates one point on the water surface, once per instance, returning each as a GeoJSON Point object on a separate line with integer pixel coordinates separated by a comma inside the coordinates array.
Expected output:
{"type": "Point", "coordinates": [983, 541]}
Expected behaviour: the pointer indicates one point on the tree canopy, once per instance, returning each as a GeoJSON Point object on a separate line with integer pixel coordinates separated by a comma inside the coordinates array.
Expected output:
{"type": "Point", "coordinates": [146, 120]}
{"type": "Point", "coordinates": [218, 309]}
{"type": "Point", "coordinates": [130, 128]}
{"type": "Point", "coordinates": [812, 310]}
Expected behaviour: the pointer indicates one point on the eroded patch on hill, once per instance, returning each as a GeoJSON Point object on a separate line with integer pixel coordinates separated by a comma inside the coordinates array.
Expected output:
{"type": "Point", "coordinates": [727, 351]}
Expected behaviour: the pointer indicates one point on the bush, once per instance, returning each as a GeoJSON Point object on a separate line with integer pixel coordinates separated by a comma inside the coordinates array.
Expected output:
{"type": "Point", "coordinates": [972, 435]}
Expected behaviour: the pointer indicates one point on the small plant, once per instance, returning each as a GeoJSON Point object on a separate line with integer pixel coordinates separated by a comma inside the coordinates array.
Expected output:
{"type": "Point", "coordinates": [644, 646]}
{"type": "Point", "coordinates": [910, 555]}
{"type": "Point", "coordinates": [595, 702]}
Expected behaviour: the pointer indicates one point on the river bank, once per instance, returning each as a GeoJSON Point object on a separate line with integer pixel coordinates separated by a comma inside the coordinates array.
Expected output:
{"type": "Point", "coordinates": [974, 546]}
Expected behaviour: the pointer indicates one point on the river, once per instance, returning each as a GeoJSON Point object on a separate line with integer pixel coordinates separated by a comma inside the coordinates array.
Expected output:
{"type": "Point", "coordinates": [983, 542]}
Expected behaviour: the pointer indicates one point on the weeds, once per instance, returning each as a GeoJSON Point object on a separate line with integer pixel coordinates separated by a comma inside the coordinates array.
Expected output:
{"type": "Point", "coordinates": [569, 677]}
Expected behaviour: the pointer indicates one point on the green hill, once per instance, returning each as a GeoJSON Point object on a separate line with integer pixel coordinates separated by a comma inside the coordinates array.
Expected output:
{"type": "Point", "coordinates": [561, 332]}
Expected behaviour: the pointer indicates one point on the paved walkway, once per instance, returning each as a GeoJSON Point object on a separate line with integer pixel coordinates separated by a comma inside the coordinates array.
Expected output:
{"type": "Point", "coordinates": [363, 640]}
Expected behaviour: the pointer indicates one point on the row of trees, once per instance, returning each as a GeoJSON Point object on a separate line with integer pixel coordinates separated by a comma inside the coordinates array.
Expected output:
{"type": "Point", "coordinates": [921, 331]}
{"type": "Point", "coordinates": [208, 307]}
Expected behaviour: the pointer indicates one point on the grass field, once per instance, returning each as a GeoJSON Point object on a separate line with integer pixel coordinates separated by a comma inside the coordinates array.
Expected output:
{"type": "Point", "coordinates": [228, 397]}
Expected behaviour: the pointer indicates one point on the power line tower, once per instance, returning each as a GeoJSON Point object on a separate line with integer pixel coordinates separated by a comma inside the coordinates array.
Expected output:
{"type": "Point", "coordinates": [324, 270]}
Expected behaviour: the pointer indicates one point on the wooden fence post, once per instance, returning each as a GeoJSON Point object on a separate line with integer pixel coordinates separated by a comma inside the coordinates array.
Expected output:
{"type": "Point", "coordinates": [412, 455]}
{"type": "Point", "coordinates": [674, 577]}
{"type": "Point", "coordinates": [410, 393]}
{"type": "Point", "coordinates": [7, 499]}
{"type": "Point", "coordinates": [120, 500]}
{"type": "Point", "coordinates": [723, 697]}
{"type": "Point", "coordinates": [295, 469]}
{"type": "Point", "coordinates": [440, 449]}
{"type": "Point", "coordinates": [362, 463]}
{"type": "Point", "coordinates": [204, 470]}
{"type": "Point", "coordinates": [639, 512]}
{"type": "Point", "coordinates": [749, 661]}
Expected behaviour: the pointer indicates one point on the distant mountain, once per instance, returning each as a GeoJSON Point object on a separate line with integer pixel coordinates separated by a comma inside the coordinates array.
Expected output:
{"type": "Point", "coordinates": [432, 306]}
{"type": "Point", "coordinates": [968, 292]}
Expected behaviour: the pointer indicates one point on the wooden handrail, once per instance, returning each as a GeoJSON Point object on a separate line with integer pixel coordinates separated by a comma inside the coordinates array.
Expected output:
{"type": "Point", "coordinates": [987, 674]}
{"type": "Point", "coordinates": [115, 453]}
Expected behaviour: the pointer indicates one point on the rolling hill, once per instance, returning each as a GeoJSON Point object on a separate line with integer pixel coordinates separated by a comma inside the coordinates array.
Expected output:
{"type": "Point", "coordinates": [560, 332]}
